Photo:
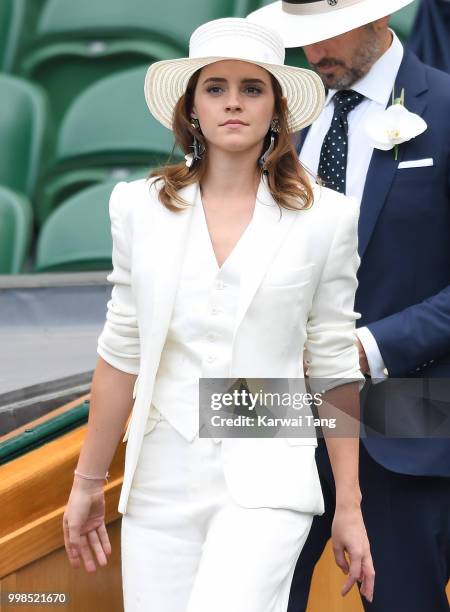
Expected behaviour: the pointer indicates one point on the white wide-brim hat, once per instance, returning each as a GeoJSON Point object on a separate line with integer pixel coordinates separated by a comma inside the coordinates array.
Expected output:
{"type": "Point", "coordinates": [305, 22]}
{"type": "Point", "coordinates": [237, 39]}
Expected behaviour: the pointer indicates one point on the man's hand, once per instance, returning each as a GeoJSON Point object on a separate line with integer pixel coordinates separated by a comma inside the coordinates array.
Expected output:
{"type": "Point", "coordinates": [305, 368]}
{"type": "Point", "coordinates": [363, 363]}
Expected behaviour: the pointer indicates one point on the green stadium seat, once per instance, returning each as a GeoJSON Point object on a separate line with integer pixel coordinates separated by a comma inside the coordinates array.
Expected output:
{"type": "Point", "coordinates": [243, 7]}
{"type": "Point", "coordinates": [111, 118]}
{"type": "Point", "coordinates": [171, 20]}
{"type": "Point", "coordinates": [80, 42]}
{"type": "Point", "coordinates": [108, 132]}
{"type": "Point", "coordinates": [16, 225]}
{"type": "Point", "coordinates": [24, 126]}
{"type": "Point", "coordinates": [77, 235]}
{"type": "Point", "coordinates": [68, 183]}
{"type": "Point", "coordinates": [402, 21]}
{"type": "Point", "coordinates": [11, 17]}
{"type": "Point", "coordinates": [18, 20]}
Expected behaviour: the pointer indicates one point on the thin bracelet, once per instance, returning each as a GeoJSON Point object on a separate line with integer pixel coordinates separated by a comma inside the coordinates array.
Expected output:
{"type": "Point", "coordinates": [92, 477]}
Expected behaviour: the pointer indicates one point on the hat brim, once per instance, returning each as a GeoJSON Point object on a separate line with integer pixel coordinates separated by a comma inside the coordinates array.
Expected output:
{"type": "Point", "coordinates": [166, 82]}
{"type": "Point", "coordinates": [301, 30]}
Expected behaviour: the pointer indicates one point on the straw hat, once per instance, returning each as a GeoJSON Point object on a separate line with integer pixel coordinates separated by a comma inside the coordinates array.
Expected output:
{"type": "Point", "coordinates": [234, 38]}
{"type": "Point", "coordinates": [304, 22]}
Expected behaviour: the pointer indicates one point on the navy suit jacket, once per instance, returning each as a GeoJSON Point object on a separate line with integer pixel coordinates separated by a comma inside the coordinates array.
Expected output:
{"type": "Point", "coordinates": [404, 277]}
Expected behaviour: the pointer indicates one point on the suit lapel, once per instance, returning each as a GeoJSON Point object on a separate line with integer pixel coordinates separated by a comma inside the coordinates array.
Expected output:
{"type": "Point", "coordinates": [299, 139]}
{"type": "Point", "coordinates": [168, 241]}
{"type": "Point", "coordinates": [267, 232]}
{"type": "Point", "coordinates": [383, 166]}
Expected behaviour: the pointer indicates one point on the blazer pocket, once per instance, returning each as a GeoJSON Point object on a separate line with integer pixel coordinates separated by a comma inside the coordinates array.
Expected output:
{"type": "Point", "coordinates": [153, 418]}
{"type": "Point", "coordinates": [280, 277]}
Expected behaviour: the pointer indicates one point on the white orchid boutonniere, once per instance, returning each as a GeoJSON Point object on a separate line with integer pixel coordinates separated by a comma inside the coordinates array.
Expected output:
{"type": "Point", "coordinates": [390, 128]}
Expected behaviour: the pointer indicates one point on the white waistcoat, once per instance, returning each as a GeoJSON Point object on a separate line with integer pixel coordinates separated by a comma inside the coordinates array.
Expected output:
{"type": "Point", "coordinates": [200, 334]}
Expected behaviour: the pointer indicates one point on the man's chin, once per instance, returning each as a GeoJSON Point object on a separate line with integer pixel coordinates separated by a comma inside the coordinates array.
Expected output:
{"type": "Point", "coordinates": [327, 80]}
{"type": "Point", "coordinates": [328, 76]}
{"type": "Point", "coordinates": [335, 81]}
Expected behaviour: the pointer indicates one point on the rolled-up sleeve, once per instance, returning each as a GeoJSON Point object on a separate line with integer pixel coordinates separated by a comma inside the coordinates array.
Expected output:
{"type": "Point", "coordinates": [330, 344]}
{"type": "Point", "coordinates": [118, 343]}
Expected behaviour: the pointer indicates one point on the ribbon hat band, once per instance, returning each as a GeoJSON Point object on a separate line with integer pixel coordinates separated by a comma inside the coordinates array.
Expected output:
{"type": "Point", "coordinates": [313, 7]}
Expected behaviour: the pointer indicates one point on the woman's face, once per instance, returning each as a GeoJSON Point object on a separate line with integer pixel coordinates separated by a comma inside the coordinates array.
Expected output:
{"type": "Point", "coordinates": [234, 103]}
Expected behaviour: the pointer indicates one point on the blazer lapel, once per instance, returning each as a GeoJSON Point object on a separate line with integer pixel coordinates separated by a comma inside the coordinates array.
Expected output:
{"type": "Point", "coordinates": [168, 241]}
{"type": "Point", "coordinates": [383, 166]}
{"type": "Point", "coordinates": [268, 230]}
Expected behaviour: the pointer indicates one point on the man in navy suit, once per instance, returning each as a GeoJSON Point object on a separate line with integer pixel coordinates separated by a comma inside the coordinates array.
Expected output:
{"type": "Point", "coordinates": [404, 292]}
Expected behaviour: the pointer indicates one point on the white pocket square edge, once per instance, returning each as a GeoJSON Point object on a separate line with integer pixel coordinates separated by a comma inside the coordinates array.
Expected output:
{"type": "Point", "coordinates": [417, 163]}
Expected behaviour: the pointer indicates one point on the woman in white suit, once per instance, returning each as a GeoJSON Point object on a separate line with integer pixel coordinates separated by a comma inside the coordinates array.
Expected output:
{"type": "Point", "coordinates": [231, 264]}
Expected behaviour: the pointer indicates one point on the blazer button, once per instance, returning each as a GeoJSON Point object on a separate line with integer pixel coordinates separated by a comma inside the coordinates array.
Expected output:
{"type": "Point", "coordinates": [386, 372]}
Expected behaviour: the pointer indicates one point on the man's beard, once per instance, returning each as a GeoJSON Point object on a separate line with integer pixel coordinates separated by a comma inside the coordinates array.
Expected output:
{"type": "Point", "coordinates": [361, 63]}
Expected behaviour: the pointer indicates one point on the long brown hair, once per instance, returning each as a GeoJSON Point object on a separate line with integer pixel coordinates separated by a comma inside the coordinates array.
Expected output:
{"type": "Point", "coordinates": [287, 180]}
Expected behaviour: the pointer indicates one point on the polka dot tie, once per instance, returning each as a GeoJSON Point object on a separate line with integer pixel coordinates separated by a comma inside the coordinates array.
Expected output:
{"type": "Point", "coordinates": [333, 156]}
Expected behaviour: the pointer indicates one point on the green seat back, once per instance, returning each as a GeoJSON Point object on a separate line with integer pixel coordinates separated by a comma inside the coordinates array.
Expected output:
{"type": "Point", "coordinates": [111, 120]}
{"type": "Point", "coordinates": [16, 224]}
{"type": "Point", "coordinates": [66, 68]}
{"type": "Point", "coordinates": [171, 19]}
{"type": "Point", "coordinates": [24, 127]}
{"type": "Point", "coordinates": [77, 235]}
{"type": "Point", "coordinates": [10, 18]}
{"type": "Point", "coordinates": [54, 190]}
{"type": "Point", "coordinates": [18, 19]}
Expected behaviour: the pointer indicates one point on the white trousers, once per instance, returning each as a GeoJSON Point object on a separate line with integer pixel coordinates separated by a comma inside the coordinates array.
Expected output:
{"type": "Point", "coordinates": [188, 547]}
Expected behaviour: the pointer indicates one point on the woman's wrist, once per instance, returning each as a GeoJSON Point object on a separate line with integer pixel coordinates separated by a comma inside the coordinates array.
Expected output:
{"type": "Point", "coordinates": [88, 481]}
{"type": "Point", "coordinates": [85, 476]}
{"type": "Point", "coordinates": [348, 499]}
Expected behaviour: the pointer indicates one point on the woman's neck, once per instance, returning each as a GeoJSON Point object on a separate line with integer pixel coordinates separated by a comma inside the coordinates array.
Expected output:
{"type": "Point", "coordinates": [234, 174]}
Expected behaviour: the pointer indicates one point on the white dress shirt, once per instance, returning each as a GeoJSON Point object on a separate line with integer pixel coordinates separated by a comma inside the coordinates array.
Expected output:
{"type": "Point", "coordinates": [200, 335]}
{"type": "Point", "coordinates": [376, 87]}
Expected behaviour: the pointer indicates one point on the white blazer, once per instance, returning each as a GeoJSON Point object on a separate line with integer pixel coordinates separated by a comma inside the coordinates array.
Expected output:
{"type": "Point", "coordinates": [297, 294]}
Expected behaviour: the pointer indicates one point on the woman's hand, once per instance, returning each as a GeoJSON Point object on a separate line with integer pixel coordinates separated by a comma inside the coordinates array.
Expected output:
{"type": "Point", "coordinates": [84, 525]}
{"type": "Point", "coordinates": [350, 537]}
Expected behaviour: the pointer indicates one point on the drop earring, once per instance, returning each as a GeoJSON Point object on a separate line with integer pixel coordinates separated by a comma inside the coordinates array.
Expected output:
{"type": "Point", "coordinates": [197, 147]}
{"type": "Point", "coordinates": [274, 130]}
